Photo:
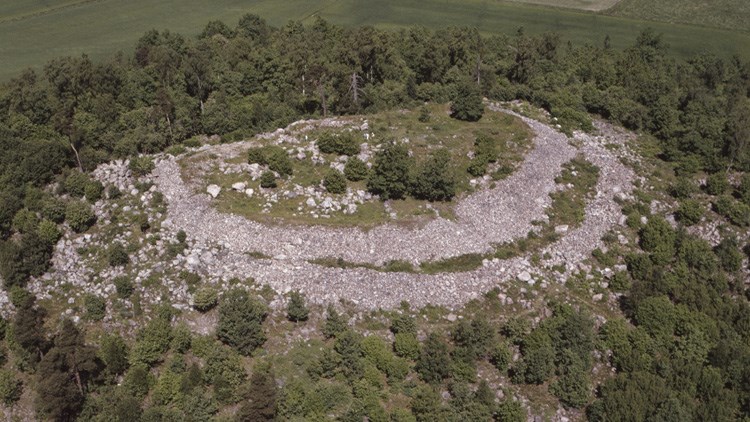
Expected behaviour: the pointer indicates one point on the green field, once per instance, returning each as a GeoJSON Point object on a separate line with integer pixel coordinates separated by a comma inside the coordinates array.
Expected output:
{"type": "Point", "coordinates": [595, 5]}
{"type": "Point", "coordinates": [34, 31]}
{"type": "Point", "coordinates": [731, 14]}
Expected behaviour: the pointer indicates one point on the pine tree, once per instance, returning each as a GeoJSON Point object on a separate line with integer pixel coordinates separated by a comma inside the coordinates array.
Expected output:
{"type": "Point", "coordinates": [65, 373]}
{"type": "Point", "coordinates": [28, 328]}
{"type": "Point", "coordinates": [335, 324]}
{"type": "Point", "coordinates": [260, 404]}
{"type": "Point", "coordinates": [296, 310]}
{"type": "Point", "coordinates": [434, 362]}
{"type": "Point", "coordinates": [240, 321]}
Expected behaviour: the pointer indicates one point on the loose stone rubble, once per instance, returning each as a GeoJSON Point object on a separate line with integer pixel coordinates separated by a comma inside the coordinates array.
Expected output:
{"type": "Point", "coordinates": [222, 246]}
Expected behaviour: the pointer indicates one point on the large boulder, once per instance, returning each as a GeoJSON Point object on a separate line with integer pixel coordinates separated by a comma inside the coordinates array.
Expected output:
{"type": "Point", "coordinates": [213, 190]}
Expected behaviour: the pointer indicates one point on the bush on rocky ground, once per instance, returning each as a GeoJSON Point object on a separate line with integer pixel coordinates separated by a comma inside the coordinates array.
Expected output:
{"type": "Point", "coordinates": [79, 216]}
{"type": "Point", "coordinates": [343, 143]}
{"type": "Point", "coordinates": [355, 169]}
{"type": "Point", "coordinates": [335, 182]}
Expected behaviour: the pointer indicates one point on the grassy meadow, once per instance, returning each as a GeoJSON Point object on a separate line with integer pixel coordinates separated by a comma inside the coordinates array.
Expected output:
{"type": "Point", "coordinates": [34, 31]}
{"type": "Point", "coordinates": [729, 14]}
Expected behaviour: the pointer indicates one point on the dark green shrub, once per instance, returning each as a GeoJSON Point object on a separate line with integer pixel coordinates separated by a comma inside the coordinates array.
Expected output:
{"type": "Point", "coordinates": [152, 342]}
{"type": "Point", "coordinates": [467, 104]}
{"type": "Point", "coordinates": [138, 380]}
{"type": "Point", "coordinates": [684, 188]}
{"type": "Point", "coordinates": [123, 286]}
{"type": "Point", "coordinates": [279, 161]}
{"type": "Point", "coordinates": [205, 299]}
{"type": "Point", "coordinates": [511, 411]}
{"type": "Point", "coordinates": [730, 256]}
{"type": "Point", "coordinates": [267, 180]}
{"type": "Point", "coordinates": [390, 176]}
{"type": "Point", "coordinates": [117, 255]}
{"type": "Point", "coordinates": [25, 221]}
{"type": "Point", "coordinates": [141, 166]}
{"type": "Point", "coordinates": [96, 307]}
{"type": "Point", "coordinates": [658, 238]}
{"type": "Point", "coordinates": [434, 363]}
{"type": "Point", "coordinates": [181, 236]}
{"type": "Point", "coordinates": [620, 282]}
{"type": "Point", "coordinates": [743, 191]}
{"type": "Point", "coordinates": [434, 180]}
{"type": "Point", "coordinates": [256, 155]}
{"type": "Point", "coordinates": [501, 357]}
{"type": "Point", "coordinates": [690, 212]}
{"type": "Point", "coordinates": [335, 182]}
{"type": "Point", "coordinates": [424, 114]}
{"type": "Point", "coordinates": [355, 169]}
{"type": "Point", "coordinates": [717, 184]}
{"type": "Point", "coordinates": [48, 232]}
{"type": "Point", "coordinates": [11, 387]}
{"type": "Point", "coordinates": [181, 340]}
{"type": "Point", "coordinates": [113, 192]}
{"type": "Point", "coordinates": [341, 144]}
{"type": "Point", "coordinates": [79, 216]}
{"type": "Point", "coordinates": [20, 260]}
{"type": "Point", "coordinates": [53, 209]}
{"type": "Point", "coordinates": [573, 388]}
{"type": "Point", "coordinates": [406, 345]}
{"type": "Point", "coordinates": [403, 323]}
{"type": "Point", "coordinates": [515, 329]}
{"type": "Point", "coordinates": [736, 212]}
{"type": "Point", "coordinates": [75, 183]}
{"type": "Point", "coordinates": [536, 366]}
{"type": "Point", "coordinates": [93, 191]}
{"type": "Point", "coordinates": [478, 166]}
{"type": "Point", "coordinates": [485, 146]}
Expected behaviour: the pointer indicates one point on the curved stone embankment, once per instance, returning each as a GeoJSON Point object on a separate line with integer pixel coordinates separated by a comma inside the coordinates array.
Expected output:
{"type": "Point", "coordinates": [492, 216]}
{"type": "Point", "coordinates": [482, 219]}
